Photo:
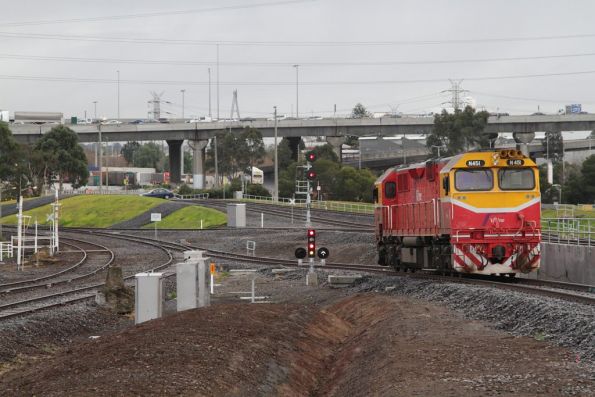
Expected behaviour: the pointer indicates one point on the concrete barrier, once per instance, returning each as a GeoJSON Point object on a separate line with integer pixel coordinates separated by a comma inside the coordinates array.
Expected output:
{"type": "Point", "coordinates": [569, 263]}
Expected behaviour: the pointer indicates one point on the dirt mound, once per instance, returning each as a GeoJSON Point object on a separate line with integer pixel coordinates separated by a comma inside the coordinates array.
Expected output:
{"type": "Point", "coordinates": [367, 344]}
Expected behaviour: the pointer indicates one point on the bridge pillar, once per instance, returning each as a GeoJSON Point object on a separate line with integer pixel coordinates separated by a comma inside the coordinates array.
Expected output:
{"type": "Point", "coordinates": [175, 160]}
{"type": "Point", "coordinates": [198, 162]}
{"type": "Point", "coordinates": [337, 142]}
{"type": "Point", "coordinates": [294, 145]}
{"type": "Point", "coordinates": [523, 139]}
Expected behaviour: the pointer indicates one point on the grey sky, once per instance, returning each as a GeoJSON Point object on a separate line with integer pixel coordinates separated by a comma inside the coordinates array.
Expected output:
{"type": "Point", "coordinates": [308, 21]}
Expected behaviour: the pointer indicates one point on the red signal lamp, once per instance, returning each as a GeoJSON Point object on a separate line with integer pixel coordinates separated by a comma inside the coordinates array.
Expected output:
{"type": "Point", "coordinates": [310, 157]}
{"type": "Point", "coordinates": [311, 175]}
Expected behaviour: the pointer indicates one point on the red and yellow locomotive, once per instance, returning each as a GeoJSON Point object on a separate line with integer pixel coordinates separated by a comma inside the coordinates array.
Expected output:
{"type": "Point", "coordinates": [477, 212]}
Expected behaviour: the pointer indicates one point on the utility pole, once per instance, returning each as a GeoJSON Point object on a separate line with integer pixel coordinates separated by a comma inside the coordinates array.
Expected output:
{"type": "Point", "coordinates": [118, 93]}
{"type": "Point", "coordinates": [276, 190]}
{"type": "Point", "coordinates": [217, 165]}
{"type": "Point", "coordinates": [95, 107]}
{"type": "Point", "coordinates": [234, 105]}
{"type": "Point", "coordinates": [100, 157]}
{"type": "Point", "coordinates": [182, 91]}
{"type": "Point", "coordinates": [217, 81]}
{"type": "Point", "coordinates": [210, 114]}
{"type": "Point", "coordinates": [297, 97]}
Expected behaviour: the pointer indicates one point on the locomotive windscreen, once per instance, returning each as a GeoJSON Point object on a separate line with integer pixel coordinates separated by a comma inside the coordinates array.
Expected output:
{"type": "Point", "coordinates": [516, 179]}
{"type": "Point", "coordinates": [474, 180]}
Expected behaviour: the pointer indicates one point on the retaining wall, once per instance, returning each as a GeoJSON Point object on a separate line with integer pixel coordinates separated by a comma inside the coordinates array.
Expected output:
{"type": "Point", "coordinates": [569, 263]}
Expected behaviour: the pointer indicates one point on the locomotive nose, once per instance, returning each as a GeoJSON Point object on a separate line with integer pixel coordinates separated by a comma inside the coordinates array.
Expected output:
{"type": "Point", "coordinates": [498, 252]}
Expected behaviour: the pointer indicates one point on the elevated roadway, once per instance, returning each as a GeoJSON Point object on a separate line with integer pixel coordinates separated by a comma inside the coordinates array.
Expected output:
{"type": "Point", "coordinates": [28, 133]}
{"type": "Point", "coordinates": [335, 131]}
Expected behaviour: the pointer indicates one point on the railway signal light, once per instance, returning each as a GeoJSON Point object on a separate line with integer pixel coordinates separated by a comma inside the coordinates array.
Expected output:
{"type": "Point", "coordinates": [323, 252]}
{"type": "Point", "coordinates": [311, 157]}
{"type": "Point", "coordinates": [310, 175]}
{"type": "Point", "coordinates": [300, 253]}
{"type": "Point", "coordinates": [311, 243]}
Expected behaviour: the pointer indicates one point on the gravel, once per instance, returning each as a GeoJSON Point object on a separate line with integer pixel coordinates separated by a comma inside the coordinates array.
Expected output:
{"type": "Point", "coordinates": [565, 323]}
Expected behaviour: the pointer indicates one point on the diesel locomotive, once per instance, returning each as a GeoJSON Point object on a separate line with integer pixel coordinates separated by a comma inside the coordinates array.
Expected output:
{"type": "Point", "coordinates": [477, 212]}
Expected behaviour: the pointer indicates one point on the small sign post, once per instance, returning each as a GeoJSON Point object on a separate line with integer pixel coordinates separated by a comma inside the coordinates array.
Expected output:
{"type": "Point", "coordinates": [155, 217]}
{"type": "Point", "coordinates": [213, 270]}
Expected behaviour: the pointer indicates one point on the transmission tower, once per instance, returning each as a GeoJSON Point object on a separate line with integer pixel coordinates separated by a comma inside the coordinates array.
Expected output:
{"type": "Point", "coordinates": [234, 105]}
{"type": "Point", "coordinates": [456, 90]}
{"type": "Point", "coordinates": [156, 102]}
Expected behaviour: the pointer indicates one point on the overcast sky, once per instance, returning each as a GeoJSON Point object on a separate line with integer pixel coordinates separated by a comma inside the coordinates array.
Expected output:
{"type": "Point", "coordinates": [404, 44]}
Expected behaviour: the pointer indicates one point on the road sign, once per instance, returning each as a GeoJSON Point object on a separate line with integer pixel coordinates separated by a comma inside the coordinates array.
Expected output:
{"type": "Point", "coordinates": [323, 252]}
{"type": "Point", "coordinates": [300, 253]}
{"type": "Point", "coordinates": [155, 217]}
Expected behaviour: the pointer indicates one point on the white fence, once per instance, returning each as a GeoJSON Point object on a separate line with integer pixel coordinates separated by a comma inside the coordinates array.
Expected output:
{"type": "Point", "coordinates": [359, 208]}
{"type": "Point", "coordinates": [579, 231]}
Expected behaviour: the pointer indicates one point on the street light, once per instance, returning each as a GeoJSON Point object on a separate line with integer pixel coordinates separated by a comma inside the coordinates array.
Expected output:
{"type": "Point", "coordinates": [297, 97]}
{"type": "Point", "coordinates": [276, 197]}
{"type": "Point", "coordinates": [118, 93]}
{"type": "Point", "coordinates": [182, 91]}
{"type": "Point", "coordinates": [95, 107]}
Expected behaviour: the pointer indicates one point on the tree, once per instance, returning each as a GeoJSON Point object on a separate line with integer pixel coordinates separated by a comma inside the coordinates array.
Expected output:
{"type": "Point", "coordinates": [284, 154]}
{"type": "Point", "coordinates": [326, 152]}
{"type": "Point", "coordinates": [359, 111]}
{"type": "Point", "coordinates": [553, 146]}
{"type": "Point", "coordinates": [459, 131]}
{"type": "Point", "coordinates": [129, 150]}
{"type": "Point", "coordinates": [10, 155]}
{"type": "Point", "coordinates": [588, 182]}
{"type": "Point", "coordinates": [251, 148]}
{"type": "Point", "coordinates": [63, 158]}
{"type": "Point", "coordinates": [150, 155]}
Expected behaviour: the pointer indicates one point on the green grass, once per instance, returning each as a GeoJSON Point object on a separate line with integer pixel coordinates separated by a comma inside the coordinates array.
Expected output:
{"type": "Point", "coordinates": [190, 217]}
{"type": "Point", "coordinates": [577, 214]}
{"type": "Point", "coordinates": [92, 211]}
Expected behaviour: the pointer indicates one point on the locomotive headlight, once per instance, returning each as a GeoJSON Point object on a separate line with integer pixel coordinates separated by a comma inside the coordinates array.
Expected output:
{"type": "Point", "coordinates": [495, 158]}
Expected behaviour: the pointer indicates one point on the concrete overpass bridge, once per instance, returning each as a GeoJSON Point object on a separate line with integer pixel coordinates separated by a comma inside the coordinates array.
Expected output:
{"type": "Point", "coordinates": [334, 129]}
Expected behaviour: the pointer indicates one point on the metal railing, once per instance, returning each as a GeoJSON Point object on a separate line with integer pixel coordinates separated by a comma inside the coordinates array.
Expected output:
{"type": "Point", "coordinates": [359, 208]}
{"type": "Point", "coordinates": [575, 231]}
{"type": "Point", "coordinates": [198, 196]}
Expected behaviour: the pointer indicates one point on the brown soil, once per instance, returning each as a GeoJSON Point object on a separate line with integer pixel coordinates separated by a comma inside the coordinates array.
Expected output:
{"type": "Point", "coordinates": [367, 344]}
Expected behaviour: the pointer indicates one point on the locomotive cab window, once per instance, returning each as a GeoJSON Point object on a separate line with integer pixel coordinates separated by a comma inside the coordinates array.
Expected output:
{"type": "Point", "coordinates": [390, 190]}
{"type": "Point", "coordinates": [516, 179]}
{"type": "Point", "coordinates": [474, 179]}
{"type": "Point", "coordinates": [375, 194]}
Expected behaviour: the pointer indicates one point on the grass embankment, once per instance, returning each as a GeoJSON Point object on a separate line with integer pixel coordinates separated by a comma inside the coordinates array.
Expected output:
{"type": "Point", "coordinates": [190, 217]}
{"type": "Point", "coordinates": [92, 211]}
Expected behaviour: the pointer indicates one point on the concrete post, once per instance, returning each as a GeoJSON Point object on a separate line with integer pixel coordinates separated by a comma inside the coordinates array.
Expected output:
{"type": "Point", "coordinates": [198, 162]}
{"type": "Point", "coordinates": [175, 158]}
{"type": "Point", "coordinates": [148, 297]}
{"type": "Point", "coordinates": [186, 285]}
{"type": "Point", "coordinates": [200, 261]}
{"type": "Point", "coordinates": [336, 142]}
{"type": "Point", "coordinates": [523, 139]}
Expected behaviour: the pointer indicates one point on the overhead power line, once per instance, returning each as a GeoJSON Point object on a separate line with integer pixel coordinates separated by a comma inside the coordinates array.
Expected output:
{"type": "Point", "coordinates": [152, 14]}
{"type": "Point", "coordinates": [51, 36]}
{"type": "Point", "coordinates": [285, 83]}
{"type": "Point", "coordinates": [530, 99]}
{"type": "Point", "coordinates": [284, 64]}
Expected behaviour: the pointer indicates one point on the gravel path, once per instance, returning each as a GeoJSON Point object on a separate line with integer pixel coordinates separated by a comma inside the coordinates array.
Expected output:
{"type": "Point", "coordinates": [11, 209]}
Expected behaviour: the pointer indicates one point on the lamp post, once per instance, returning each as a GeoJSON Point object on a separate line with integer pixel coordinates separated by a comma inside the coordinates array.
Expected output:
{"type": "Point", "coordinates": [297, 97]}
{"type": "Point", "coordinates": [276, 197]}
{"type": "Point", "coordinates": [118, 93]}
{"type": "Point", "coordinates": [95, 109]}
{"type": "Point", "coordinates": [182, 91]}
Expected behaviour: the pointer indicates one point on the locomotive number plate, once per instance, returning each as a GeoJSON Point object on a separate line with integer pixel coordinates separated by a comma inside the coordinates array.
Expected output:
{"type": "Point", "coordinates": [515, 162]}
{"type": "Point", "coordinates": [475, 163]}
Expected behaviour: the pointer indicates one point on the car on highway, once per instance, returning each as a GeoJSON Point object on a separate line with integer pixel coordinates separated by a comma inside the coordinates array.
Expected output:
{"type": "Point", "coordinates": [139, 121]}
{"type": "Point", "coordinates": [159, 193]}
{"type": "Point", "coordinates": [111, 122]}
